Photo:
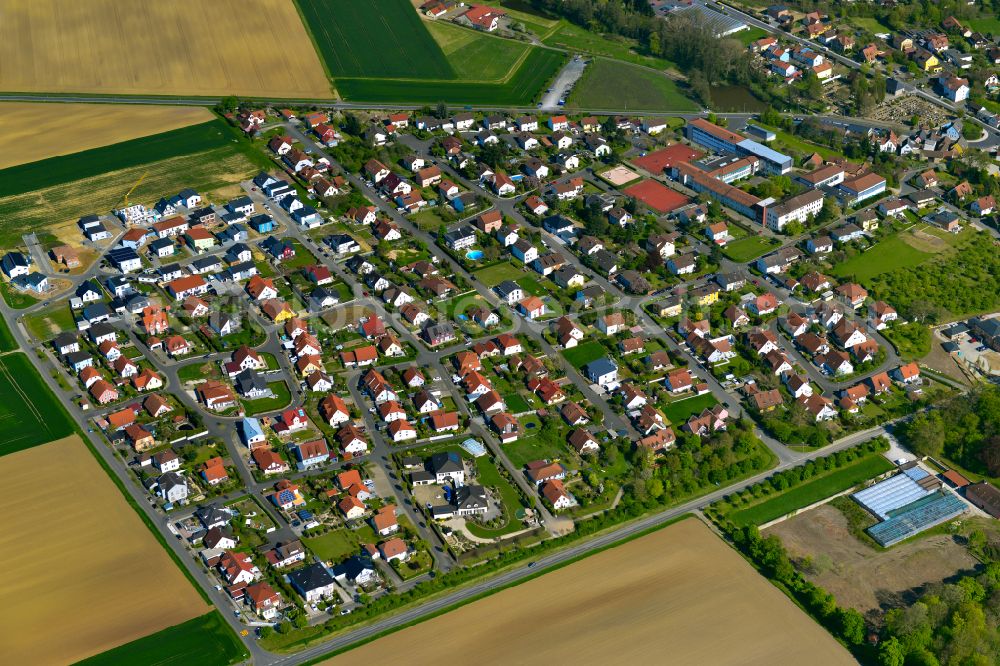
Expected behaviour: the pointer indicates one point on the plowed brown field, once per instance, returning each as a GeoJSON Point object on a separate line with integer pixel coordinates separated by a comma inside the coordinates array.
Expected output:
{"type": "Point", "coordinates": [677, 596]}
{"type": "Point", "coordinates": [82, 572]}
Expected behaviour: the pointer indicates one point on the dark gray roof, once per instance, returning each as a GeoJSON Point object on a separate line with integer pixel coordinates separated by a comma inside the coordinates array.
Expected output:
{"type": "Point", "coordinates": [311, 577]}
{"type": "Point", "coordinates": [470, 497]}
{"type": "Point", "coordinates": [446, 462]}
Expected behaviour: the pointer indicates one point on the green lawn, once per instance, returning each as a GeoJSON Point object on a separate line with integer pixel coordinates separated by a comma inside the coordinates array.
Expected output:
{"type": "Point", "coordinates": [869, 23]}
{"type": "Point", "coordinates": [47, 323]}
{"type": "Point", "coordinates": [584, 353]}
{"type": "Point", "coordinates": [577, 39]}
{"type": "Point", "coordinates": [608, 84]}
{"type": "Point", "coordinates": [494, 275]}
{"type": "Point", "coordinates": [812, 491]}
{"type": "Point", "coordinates": [490, 476]}
{"type": "Point", "coordinates": [282, 396]}
{"type": "Point", "coordinates": [15, 298]}
{"type": "Point", "coordinates": [680, 411]}
{"type": "Point", "coordinates": [531, 285]}
{"type": "Point", "coordinates": [205, 640]}
{"type": "Point", "coordinates": [196, 371]}
{"type": "Point", "coordinates": [752, 34]}
{"type": "Point", "coordinates": [333, 546]}
{"type": "Point", "coordinates": [30, 414]}
{"type": "Point", "coordinates": [520, 89]}
{"type": "Point", "coordinates": [66, 168]}
{"type": "Point", "coordinates": [383, 39]}
{"type": "Point", "coordinates": [516, 404]}
{"type": "Point", "coordinates": [748, 248]}
{"type": "Point", "coordinates": [793, 142]}
{"type": "Point", "coordinates": [985, 24]}
{"type": "Point", "coordinates": [526, 449]}
{"type": "Point", "coordinates": [885, 256]}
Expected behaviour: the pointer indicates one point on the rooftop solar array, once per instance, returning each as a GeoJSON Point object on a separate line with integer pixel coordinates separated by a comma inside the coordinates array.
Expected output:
{"type": "Point", "coordinates": [917, 516]}
{"type": "Point", "coordinates": [893, 493]}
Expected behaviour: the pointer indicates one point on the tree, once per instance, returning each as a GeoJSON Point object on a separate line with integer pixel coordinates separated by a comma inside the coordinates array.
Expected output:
{"type": "Point", "coordinates": [925, 434]}
{"type": "Point", "coordinates": [851, 626]}
{"type": "Point", "coordinates": [830, 211]}
{"type": "Point", "coordinates": [442, 110]}
{"type": "Point", "coordinates": [891, 653]}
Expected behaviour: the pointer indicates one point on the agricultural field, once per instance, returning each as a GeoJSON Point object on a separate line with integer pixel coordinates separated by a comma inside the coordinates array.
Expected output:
{"type": "Point", "coordinates": [610, 84]}
{"type": "Point", "coordinates": [114, 583]}
{"type": "Point", "coordinates": [631, 608]}
{"type": "Point", "coordinates": [476, 56]}
{"type": "Point", "coordinates": [48, 196]}
{"type": "Point", "coordinates": [395, 44]}
{"type": "Point", "coordinates": [520, 89]}
{"type": "Point", "coordinates": [812, 491]}
{"type": "Point", "coordinates": [866, 579]}
{"type": "Point", "coordinates": [203, 641]}
{"type": "Point", "coordinates": [35, 132]}
{"type": "Point", "coordinates": [29, 413]}
{"type": "Point", "coordinates": [184, 47]}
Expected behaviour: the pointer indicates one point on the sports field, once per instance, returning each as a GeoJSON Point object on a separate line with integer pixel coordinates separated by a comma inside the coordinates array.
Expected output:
{"type": "Point", "coordinates": [520, 89]}
{"type": "Point", "coordinates": [378, 39]}
{"type": "Point", "coordinates": [34, 132]}
{"type": "Point", "coordinates": [29, 413]}
{"type": "Point", "coordinates": [611, 84]}
{"type": "Point", "coordinates": [182, 47]}
{"type": "Point", "coordinates": [657, 196]}
{"type": "Point", "coordinates": [680, 591]}
{"type": "Point", "coordinates": [84, 574]}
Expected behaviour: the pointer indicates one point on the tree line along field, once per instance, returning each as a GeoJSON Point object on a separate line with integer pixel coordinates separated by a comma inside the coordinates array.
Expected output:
{"type": "Point", "coordinates": [29, 413]}
{"type": "Point", "coordinates": [632, 608]}
{"type": "Point", "coordinates": [359, 38]}
{"type": "Point", "coordinates": [35, 131]}
{"type": "Point", "coordinates": [92, 576]}
{"type": "Point", "coordinates": [520, 89]}
{"type": "Point", "coordinates": [182, 47]}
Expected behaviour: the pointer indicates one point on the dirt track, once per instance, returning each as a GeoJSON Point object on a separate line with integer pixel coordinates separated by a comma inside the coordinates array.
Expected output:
{"type": "Point", "coordinates": [83, 574]}
{"type": "Point", "coordinates": [678, 596]}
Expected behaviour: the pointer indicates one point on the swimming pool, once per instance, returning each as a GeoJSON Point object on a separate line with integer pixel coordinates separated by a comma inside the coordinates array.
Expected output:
{"type": "Point", "coordinates": [474, 255]}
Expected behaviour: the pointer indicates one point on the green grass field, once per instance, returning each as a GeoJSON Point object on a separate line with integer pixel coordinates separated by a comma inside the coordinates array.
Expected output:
{"type": "Point", "coordinates": [490, 476]}
{"type": "Point", "coordinates": [205, 640]}
{"type": "Point", "coordinates": [812, 491]}
{"type": "Point", "coordinates": [64, 169]}
{"type": "Point", "coordinates": [986, 24]}
{"type": "Point", "coordinates": [869, 23]}
{"type": "Point", "coordinates": [680, 411]}
{"type": "Point", "coordinates": [888, 255]}
{"type": "Point", "coordinates": [333, 546]}
{"type": "Point", "coordinates": [746, 37]}
{"type": "Point", "coordinates": [494, 275]}
{"type": "Point", "coordinates": [477, 56]}
{"type": "Point", "coordinates": [383, 39]}
{"type": "Point", "coordinates": [7, 342]}
{"type": "Point", "coordinates": [520, 90]}
{"type": "Point", "coordinates": [49, 322]}
{"type": "Point", "coordinates": [748, 248]}
{"type": "Point", "coordinates": [280, 400]}
{"type": "Point", "coordinates": [29, 412]}
{"type": "Point", "coordinates": [577, 39]}
{"type": "Point", "coordinates": [584, 353]}
{"type": "Point", "coordinates": [609, 84]}
{"type": "Point", "coordinates": [515, 403]}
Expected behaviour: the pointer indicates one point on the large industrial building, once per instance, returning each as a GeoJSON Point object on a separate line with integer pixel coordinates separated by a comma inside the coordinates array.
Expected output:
{"type": "Point", "coordinates": [719, 139]}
